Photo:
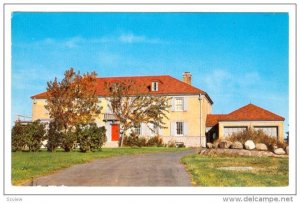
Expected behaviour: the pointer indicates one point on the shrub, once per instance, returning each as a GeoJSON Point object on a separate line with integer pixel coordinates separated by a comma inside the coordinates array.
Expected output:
{"type": "Point", "coordinates": [98, 137]}
{"type": "Point", "coordinates": [35, 135]}
{"type": "Point", "coordinates": [90, 137]}
{"type": "Point", "coordinates": [68, 140]}
{"type": "Point", "coordinates": [134, 140]}
{"type": "Point", "coordinates": [257, 136]}
{"type": "Point", "coordinates": [30, 135]}
{"type": "Point", "coordinates": [53, 136]}
{"type": "Point", "coordinates": [171, 143]}
{"type": "Point", "coordinates": [18, 140]}
{"type": "Point", "coordinates": [155, 141]}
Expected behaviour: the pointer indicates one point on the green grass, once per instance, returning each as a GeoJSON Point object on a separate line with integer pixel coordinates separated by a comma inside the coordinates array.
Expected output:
{"type": "Point", "coordinates": [26, 165]}
{"type": "Point", "coordinates": [267, 171]}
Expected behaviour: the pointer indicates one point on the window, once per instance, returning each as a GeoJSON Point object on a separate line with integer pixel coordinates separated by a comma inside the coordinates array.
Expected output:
{"type": "Point", "coordinates": [137, 129]}
{"type": "Point", "coordinates": [179, 104]}
{"type": "Point", "coordinates": [154, 86]}
{"type": "Point", "coordinates": [179, 128]}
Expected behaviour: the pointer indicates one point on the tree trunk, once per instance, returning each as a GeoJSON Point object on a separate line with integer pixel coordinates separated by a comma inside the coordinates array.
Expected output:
{"type": "Point", "coordinates": [122, 139]}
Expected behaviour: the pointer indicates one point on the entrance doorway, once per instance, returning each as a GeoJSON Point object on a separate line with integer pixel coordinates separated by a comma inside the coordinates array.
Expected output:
{"type": "Point", "coordinates": [115, 132]}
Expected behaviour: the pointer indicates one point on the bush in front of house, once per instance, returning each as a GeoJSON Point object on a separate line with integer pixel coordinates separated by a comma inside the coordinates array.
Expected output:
{"type": "Point", "coordinates": [18, 141]}
{"type": "Point", "coordinates": [68, 140]}
{"type": "Point", "coordinates": [134, 140]}
{"type": "Point", "coordinates": [155, 141]}
{"type": "Point", "coordinates": [53, 137]}
{"type": "Point", "coordinates": [171, 143]}
{"type": "Point", "coordinates": [28, 136]}
{"type": "Point", "coordinates": [257, 136]}
{"type": "Point", "coordinates": [90, 137]}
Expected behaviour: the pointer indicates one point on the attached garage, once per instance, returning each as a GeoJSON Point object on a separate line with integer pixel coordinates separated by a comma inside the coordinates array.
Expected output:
{"type": "Point", "coordinates": [220, 126]}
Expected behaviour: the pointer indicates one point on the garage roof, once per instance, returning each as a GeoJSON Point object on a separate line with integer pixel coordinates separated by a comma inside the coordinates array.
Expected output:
{"type": "Point", "coordinates": [249, 112]}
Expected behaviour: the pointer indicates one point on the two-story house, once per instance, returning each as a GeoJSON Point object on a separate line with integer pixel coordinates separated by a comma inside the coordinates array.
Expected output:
{"type": "Point", "coordinates": [186, 118]}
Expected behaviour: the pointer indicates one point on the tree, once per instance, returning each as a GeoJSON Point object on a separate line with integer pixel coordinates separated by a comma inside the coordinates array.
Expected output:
{"type": "Point", "coordinates": [53, 137]}
{"type": "Point", "coordinates": [132, 108]}
{"type": "Point", "coordinates": [70, 102]}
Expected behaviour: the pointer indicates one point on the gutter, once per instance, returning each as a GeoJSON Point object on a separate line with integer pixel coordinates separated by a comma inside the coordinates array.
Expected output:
{"type": "Point", "coordinates": [200, 120]}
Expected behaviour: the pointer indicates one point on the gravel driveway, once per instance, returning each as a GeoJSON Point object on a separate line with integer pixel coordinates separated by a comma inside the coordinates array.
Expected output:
{"type": "Point", "coordinates": [153, 169]}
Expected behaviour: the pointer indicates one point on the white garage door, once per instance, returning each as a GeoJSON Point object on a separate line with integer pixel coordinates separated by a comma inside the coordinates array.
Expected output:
{"type": "Point", "coordinates": [269, 130]}
{"type": "Point", "coordinates": [230, 130]}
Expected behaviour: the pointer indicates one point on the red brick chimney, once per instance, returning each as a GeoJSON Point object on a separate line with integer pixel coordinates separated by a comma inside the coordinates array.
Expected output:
{"type": "Point", "coordinates": [187, 78]}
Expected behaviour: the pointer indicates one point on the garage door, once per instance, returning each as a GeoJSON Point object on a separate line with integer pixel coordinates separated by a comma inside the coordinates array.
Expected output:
{"type": "Point", "coordinates": [269, 130]}
{"type": "Point", "coordinates": [230, 130]}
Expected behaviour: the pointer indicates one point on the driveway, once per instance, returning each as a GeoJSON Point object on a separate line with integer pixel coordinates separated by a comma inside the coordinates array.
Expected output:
{"type": "Point", "coordinates": [153, 169]}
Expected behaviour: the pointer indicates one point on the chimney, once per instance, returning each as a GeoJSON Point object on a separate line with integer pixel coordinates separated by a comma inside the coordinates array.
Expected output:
{"type": "Point", "coordinates": [187, 78]}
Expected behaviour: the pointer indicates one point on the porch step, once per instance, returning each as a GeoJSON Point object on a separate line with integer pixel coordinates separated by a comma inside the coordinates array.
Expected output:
{"type": "Point", "coordinates": [111, 144]}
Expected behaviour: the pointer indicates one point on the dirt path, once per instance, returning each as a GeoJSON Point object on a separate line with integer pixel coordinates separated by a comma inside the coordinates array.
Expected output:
{"type": "Point", "coordinates": [155, 169]}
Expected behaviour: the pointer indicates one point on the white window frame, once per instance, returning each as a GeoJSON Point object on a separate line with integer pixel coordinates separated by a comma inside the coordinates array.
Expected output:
{"type": "Point", "coordinates": [182, 128]}
{"type": "Point", "coordinates": [154, 86]}
{"type": "Point", "coordinates": [177, 106]}
{"type": "Point", "coordinates": [137, 129]}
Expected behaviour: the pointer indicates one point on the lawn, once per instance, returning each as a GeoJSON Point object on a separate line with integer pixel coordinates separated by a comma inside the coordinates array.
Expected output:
{"type": "Point", "coordinates": [26, 165]}
{"type": "Point", "coordinates": [267, 171]}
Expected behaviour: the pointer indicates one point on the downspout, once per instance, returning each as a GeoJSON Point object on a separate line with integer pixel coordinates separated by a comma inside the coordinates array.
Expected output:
{"type": "Point", "coordinates": [200, 120]}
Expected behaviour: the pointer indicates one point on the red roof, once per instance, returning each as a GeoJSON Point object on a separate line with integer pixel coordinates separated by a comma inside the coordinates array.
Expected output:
{"type": "Point", "coordinates": [249, 112]}
{"type": "Point", "coordinates": [213, 119]}
{"type": "Point", "coordinates": [167, 85]}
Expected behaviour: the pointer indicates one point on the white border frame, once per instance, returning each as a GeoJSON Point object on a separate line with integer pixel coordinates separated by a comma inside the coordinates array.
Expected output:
{"type": "Point", "coordinates": [289, 8]}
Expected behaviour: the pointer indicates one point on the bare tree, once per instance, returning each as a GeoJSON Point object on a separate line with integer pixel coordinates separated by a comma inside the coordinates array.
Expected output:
{"type": "Point", "coordinates": [132, 108]}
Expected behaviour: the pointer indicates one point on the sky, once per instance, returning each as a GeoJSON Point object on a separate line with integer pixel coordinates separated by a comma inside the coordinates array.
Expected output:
{"type": "Point", "coordinates": [237, 58]}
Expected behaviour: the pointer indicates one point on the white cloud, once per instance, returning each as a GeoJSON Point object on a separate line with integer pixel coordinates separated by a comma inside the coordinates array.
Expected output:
{"type": "Point", "coordinates": [77, 41]}
{"type": "Point", "coordinates": [131, 38]}
{"type": "Point", "coordinates": [73, 42]}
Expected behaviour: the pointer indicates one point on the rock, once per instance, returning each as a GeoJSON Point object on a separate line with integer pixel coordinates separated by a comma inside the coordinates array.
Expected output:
{"type": "Point", "coordinates": [225, 144]}
{"type": "Point", "coordinates": [209, 145]}
{"type": "Point", "coordinates": [237, 145]}
{"type": "Point", "coordinates": [249, 144]}
{"type": "Point", "coordinates": [287, 150]}
{"type": "Point", "coordinates": [279, 151]}
{"type": "Point", "coordinates": [238, 152]}
{"type": "Point", "coordinates": [261, 147]}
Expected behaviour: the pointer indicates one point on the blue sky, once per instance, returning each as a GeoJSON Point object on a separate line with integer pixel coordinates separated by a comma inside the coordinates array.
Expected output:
{"type": "Point", "coordinates": [237, 58]}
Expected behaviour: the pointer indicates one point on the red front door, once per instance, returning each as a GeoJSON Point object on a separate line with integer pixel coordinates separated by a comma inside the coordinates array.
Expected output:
{"type": "Point", "coordinates": [115, 132]}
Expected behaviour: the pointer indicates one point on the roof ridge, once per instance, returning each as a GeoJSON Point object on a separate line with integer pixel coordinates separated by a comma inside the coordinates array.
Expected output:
{"type": "Point", "coordinates": [135, 76]}
{"type": "Point", "coordinates": [256, 107]}
{"type": "Point", "coordinates": [184, 83]}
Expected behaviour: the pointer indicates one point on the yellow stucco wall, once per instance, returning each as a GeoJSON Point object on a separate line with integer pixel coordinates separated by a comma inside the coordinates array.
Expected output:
{"type": "Point", "coordinates": [38, 109]}
{"type": "Point", "coordinates": [251, 124]}
{"type": "Point", "coordinates": [191, 116]}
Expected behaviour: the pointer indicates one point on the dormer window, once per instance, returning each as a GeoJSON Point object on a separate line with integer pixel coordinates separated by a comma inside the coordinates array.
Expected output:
{"type": "Point", "coordinates": [154, 86]}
